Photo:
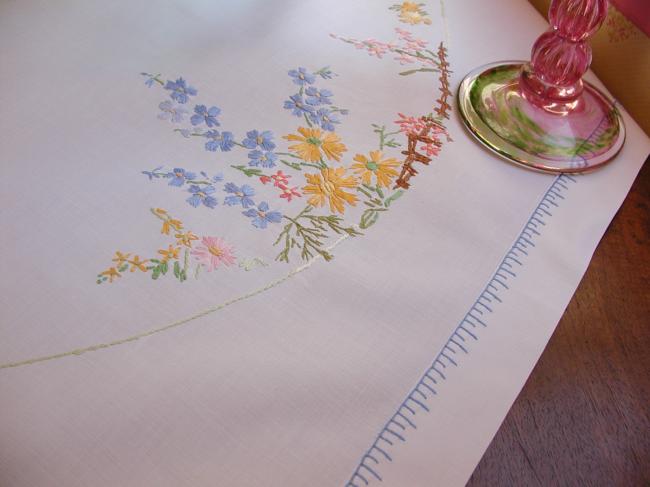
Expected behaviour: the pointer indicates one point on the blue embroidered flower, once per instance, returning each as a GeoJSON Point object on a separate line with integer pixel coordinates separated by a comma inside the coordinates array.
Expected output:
{"type": "Point", "coordinates": [151, 79]}
{"type": "Point", "coordinates": [179, 176]}
{"type": "Point", "coordinates": [171, 111]}
{"type": "Point", "coordinates": [239, 196]}
{"type": "Point", "coordinates": [302, 77]}
{"type": "Point", "coordinates": [318, 97]}
{"type": "Point", "coordinates": [223, 141]}
{"type": "Point", "coordinates": [208, 115]}
{"type": "Point", "coordinates": [262, 139]}
{"type": "Point", "coordinates": [263, 158]}
{"type": "Point", "coordinates": [181, 92]}
{"type": "Point", "coordinates": [201, 194]}
{"type": "Point", "coordinates": [262, 216]}
{"type": "Point", "coordinates": [297, 106]}
{"type": "Point", "coordinates": [325, 119]}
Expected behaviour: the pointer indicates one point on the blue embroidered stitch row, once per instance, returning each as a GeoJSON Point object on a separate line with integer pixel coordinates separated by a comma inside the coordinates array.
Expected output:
{"type": "Point", "coordinates": [404, 418]}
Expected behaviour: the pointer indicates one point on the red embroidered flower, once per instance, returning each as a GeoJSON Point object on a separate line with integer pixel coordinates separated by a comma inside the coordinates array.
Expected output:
{"type": "Point", "coordinates": [280, 179]}
{"type": "Point", "coordinates": [289, 193]}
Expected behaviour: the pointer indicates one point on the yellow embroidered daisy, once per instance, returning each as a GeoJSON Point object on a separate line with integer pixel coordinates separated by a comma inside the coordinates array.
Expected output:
{"type": "Point", "coordinates": [384, 170]}
{"type": "Point", "coordinates": [329, 186]}
{"type": "Point", "coordinates": [312, 141]}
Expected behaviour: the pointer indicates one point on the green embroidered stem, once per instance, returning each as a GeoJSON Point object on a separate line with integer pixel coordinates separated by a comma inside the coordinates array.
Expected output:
{"type": "Point", "coordinates": [249, 171]}
{"type": "Point", "coordinates": [421, 70]}
{"type": "Point", "coordinates": [299, 165]}
{"type": "Point", "coordinates": [385, 139]}
{"type": "Point", "coordinates": [325, 72]}
{"type": "Point", "coordinates": [376, 202]}
{"type": "Point", "coordinates": [310, 236]}
{"type": "Point", "coordinates": [419, 55]}
{"type": "Point", "coordinates": [288, 154]}
{"type": "Point", "coordinates": [155, 78]}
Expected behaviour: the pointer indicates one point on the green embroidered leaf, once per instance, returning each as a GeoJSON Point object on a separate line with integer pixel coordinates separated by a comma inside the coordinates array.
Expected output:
{"type": "Point", "coordinates": [394, 197]}
{"type": "Point", "coordinates": [177, 270]}
{"type": "Point", "coordinates": [369, 218]}
{"type": "Point", "coordinates": [420, 70]}
{"type": "Point", "coordinates": [155, 274]}
{"type": "Point", "coordinates": [123, 267]}
{"type": "Point", "coordinates": [249, 171]}
{"type": "Point", "coordinates": [293, 165]}
{"type": "Point", "coordinates": [183, 275]}
{"type": "Point", "coordinates": [365, 192]}
{"type": "Point", "coordinates": [410, 71]}
{"type": "Point", "coordinates": [164, 268]}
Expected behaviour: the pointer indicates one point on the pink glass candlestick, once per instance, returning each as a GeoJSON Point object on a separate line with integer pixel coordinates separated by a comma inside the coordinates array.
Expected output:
{"type": "Point", "coordinates": [542, 114]}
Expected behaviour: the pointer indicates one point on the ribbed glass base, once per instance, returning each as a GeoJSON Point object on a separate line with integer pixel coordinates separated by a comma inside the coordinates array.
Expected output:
{"type": "Point", "coordinates": [581, 139]}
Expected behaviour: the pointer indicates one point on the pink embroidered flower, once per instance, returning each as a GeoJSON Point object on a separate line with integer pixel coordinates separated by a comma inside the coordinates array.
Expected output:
{"type": "Point", "coordinates": [280, 179]}
{"type": "Point", "coordinates": [289, 193]}
{"type": "Point", "coordinates": [375, 48]}
{"type": "Point", "coordinates": [431, 150]}
{"type": "Point", "coordinates": [213, 252]}
{"type": "Point", "coordinates": [405, 58]}
{"type": "Point", "coordinates": [404, 34]}
{"type": "Point", "coordinates": [416, 44]}
{"type": "Point", "coordinates": [410, 125]}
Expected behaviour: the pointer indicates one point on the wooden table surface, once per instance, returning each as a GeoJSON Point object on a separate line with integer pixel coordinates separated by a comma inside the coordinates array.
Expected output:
{"type": "Point", "coordinates": [583, 417]}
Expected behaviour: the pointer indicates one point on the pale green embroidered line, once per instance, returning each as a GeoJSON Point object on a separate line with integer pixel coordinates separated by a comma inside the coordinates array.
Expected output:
{"type": "Point", "coordinates": [443, 14]}
{"type": "Point", "coordinates": [176, 324]}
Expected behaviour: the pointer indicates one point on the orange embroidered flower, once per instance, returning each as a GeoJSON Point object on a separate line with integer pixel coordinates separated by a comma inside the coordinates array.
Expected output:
{"type": "Point", "coordinates": [170, 253]}
{"type": "Point", "coordinates": [120, 258]}
{"type": "Point", "coordinates": [412, 13]}
{"type": "Point", "coordinates": [185, 238]}
{"type": "Point", "coordinates": [136, 263]}
{"type": "Point", "coordinates": [312, 141]}
{"type": "Point", "coordinates": [169, 224]}
{"type": "Point", "coordinates": [328, 186]}
{"type": "Point", "coordinates": [383, 169]}
{"type": "Point", "coordinates": [111, 273]}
